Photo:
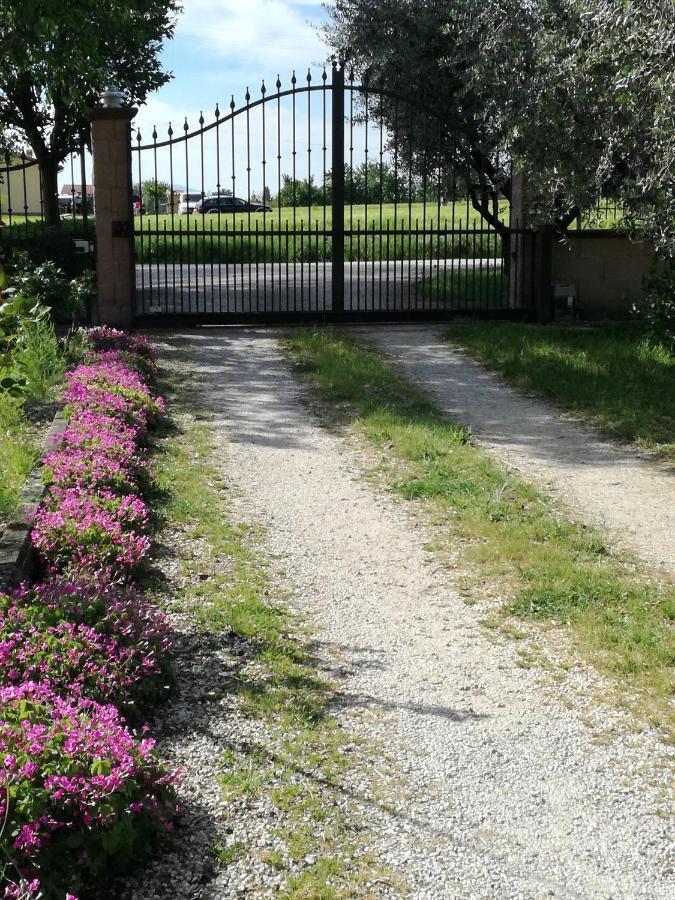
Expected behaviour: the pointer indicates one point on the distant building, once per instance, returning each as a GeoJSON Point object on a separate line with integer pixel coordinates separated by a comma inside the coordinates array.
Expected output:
{"type": "Point", "coordinates": [20, 188]}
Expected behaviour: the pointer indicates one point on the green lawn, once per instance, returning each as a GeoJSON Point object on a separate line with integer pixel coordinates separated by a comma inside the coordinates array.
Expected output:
{"type": "Point", "coordinates": [535, 563]}
{"type": "Point", "coordinates": [473, 287]}
{"type": "Point", "coordinates": [614, 376]}
{"type": "Point", "coordinates": [310, 219]}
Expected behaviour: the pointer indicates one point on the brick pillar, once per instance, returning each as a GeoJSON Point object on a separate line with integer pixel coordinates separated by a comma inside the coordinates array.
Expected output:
{"type": "Point", "coordinates": [111, 149]}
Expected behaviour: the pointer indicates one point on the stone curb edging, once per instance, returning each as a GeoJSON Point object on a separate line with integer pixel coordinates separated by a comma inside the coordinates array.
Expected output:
{"type": "Point", "coordinates": [17, 557]}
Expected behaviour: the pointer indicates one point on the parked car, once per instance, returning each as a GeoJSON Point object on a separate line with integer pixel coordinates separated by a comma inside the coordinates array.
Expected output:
{"type": "Point", "coordinates": [187, 203]}
{"type": "Point", "coordinates": [227, 205]}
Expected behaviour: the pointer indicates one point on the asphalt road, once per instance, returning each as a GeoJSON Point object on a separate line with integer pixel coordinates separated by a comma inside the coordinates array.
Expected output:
{"type": "Point", "coordinates": [296, 287]}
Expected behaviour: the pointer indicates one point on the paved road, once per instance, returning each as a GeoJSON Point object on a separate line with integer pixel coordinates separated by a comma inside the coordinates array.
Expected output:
{"type": "Point", "coordinates": [301, 287]}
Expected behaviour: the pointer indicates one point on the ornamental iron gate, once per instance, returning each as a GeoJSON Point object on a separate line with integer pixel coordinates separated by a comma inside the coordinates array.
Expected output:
{"type": "Point", "coordinates": [304, 203]}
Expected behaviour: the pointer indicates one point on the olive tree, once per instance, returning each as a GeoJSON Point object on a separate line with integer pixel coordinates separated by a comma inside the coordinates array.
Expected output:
{"type": "Point", "coordinates": [56, 58]}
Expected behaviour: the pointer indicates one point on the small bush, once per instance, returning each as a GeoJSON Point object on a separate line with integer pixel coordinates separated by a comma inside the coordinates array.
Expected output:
{"type": "Point", "coordinates": [657, 310]}
{"type": "Point", "coordinates": [38, 360]}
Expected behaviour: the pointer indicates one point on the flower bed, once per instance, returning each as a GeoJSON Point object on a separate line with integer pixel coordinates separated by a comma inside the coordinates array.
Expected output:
{"type": "Point", "coordinates": [80, 652]}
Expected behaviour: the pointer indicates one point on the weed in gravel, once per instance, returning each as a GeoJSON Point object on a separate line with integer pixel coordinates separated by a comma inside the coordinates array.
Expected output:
{"type": "Point", "coordinates": [304, 763]}
{"type": "Point", "coordinates": [547, 567]}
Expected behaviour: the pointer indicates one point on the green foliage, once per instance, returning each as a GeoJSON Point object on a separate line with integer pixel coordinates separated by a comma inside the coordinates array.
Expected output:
{"type": "Point", "coordinates": [155, 194]}
{"type": "Point", "coordinates": [299, 192]}
{"type": "Point", "coordinates": [58, 57]}
{"type": "Point", "coordinates": [48, 286]}
{"type": "Point", "coordinates": [38, 360]}
{"type": "Point", "coordinates": [657, 309]}
{"type": "Point", "coordinates": [18, 453]}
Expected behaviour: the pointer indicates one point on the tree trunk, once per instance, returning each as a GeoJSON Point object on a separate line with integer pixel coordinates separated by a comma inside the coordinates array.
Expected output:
{"type": "Point", "coordinates": [49, 170]}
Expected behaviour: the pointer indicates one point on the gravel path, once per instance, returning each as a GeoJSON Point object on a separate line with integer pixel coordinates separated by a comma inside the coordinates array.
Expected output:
{"type": "Point", "coordinates": [512, 787]}
{"type": "Point", "coordinates": [597, 480]}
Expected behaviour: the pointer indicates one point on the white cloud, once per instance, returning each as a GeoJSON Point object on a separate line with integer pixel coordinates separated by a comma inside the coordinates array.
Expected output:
{"type": "Point", "coordinates": [270, 34]}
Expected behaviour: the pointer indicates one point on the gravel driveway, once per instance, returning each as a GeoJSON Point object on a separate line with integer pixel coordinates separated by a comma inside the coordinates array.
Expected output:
{"type": "Point", "coordinates": [596, 480]}
{"type": "Point", "coordinates": [511, 785]}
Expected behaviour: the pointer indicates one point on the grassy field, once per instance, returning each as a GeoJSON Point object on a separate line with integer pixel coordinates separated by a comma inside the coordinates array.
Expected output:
{"type": "Point", "coordinates": [614, 376]}
{"type": "Point", "coordinates": [537, 565]}
{"type": "Point", "coordinates": [273, 237]}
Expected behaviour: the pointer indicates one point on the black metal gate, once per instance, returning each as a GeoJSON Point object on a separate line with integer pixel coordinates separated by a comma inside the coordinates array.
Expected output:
{"type": "Point", "coordinates": [306, 203]}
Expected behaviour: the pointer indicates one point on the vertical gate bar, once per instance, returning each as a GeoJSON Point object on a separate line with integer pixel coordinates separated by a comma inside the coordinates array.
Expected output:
{"type": "Point", "coordinates": [85, 196]}
{"type": "Point", "coordinates": [72, 188]}
{"type": "Point", "coordinates": [8, 163]}
{"type": "Point", "coordinates": [234, 194]}
{"type": "Point", "coordinates": [203, 228]}
{"type": "Point", "coordinates": [173, 213]}
{"type": "Point", "coordinates": [445, 264]}
{"type": "Point", "coordinates": [226, 257]}
{"type": "Point", "coordinates": [386, 296]}
{"type": "Point", "coordinates": [156, 192]}
{"type": "Point", "coordinates": [140, 220]}
{"type": "Point", "coordinates": [338, 199]}
{"type": "Point", "coordinates": [365, 210]}
{"type": "Point", "coordinates": [25, 188]}
{"type": "Point", "coordinates": [350, 254]}
{"type": "Point", "coordinates": [473, 267]}
{"type": "Point", "coordinates": [324, 78]}
{"type": "Point", "coordinates": [417, 254]}
{"type": "Point", "coordinates": [288, 286]}
{"type": "Point", "coordinates": [410, 196]}
{"type": "Point", "coordinates": [180, 264]}
{"type": "Point", "coordinates": [480, 268]}
{"type": "Point", "coordinates": [263, 91]}
{"type": "Point", "coordinates": [395, 199]}
{"type": "Point", "coordinates": [278, 84]}
{"type": "Point", "coordinates": [453, 198]}
{"type": "Point", "coordinates": [257, 266]}
{"type": "Point", "coordinates": [309, 185]}
{"type": "Point", "coordinates": [248, 196]}
{"type": "Point", "coordinates": [187, 228]}
{"type": "Point", "coordinates": [166, 272]}
{"type": "Point", "coordinates": [380, 253]}
{"type": "Point", "coordinates": [294, 154]}
{"type": "Point", "coordinates": [211, 254]}
{"type": "Point", "coordinates": [245, 289]}
{"type": "Point", "coordinates": [358, 265]}
{"type": "Point", "coordinates": [425, 186]}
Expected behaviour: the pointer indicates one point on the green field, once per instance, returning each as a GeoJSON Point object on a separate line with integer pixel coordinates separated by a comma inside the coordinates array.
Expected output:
{"type": "Point", "coordinates": [317, 217]}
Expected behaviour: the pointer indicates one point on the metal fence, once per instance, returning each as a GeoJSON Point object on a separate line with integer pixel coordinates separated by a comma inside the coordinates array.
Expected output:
{"type": "Point", "coordinates": [303, 200]}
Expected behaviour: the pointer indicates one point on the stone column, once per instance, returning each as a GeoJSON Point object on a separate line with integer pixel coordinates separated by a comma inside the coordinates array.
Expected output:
{"type": "Point", "coordinates": [111, 149]}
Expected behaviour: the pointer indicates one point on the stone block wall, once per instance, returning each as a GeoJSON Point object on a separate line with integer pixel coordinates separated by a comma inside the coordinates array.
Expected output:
{"type": "Point", "coordinates": [607, 268]}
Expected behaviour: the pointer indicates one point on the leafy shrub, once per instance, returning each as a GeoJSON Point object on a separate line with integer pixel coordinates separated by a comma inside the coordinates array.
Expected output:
{"type": "Point", "coordinates": [38, 360]}
{"type": "Point", "coordinates": [84, 792]}
{"type": "Point", "coordinates": [657, 310]}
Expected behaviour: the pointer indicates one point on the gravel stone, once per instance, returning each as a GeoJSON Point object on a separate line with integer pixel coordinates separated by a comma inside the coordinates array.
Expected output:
{"type": "Point", "coordinates": [484, 779]}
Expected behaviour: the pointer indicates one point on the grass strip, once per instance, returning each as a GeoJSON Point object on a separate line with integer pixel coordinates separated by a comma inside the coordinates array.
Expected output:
{"type": "Point", "coordinates": [18, 453]}
{"type": "Point", "coordinates": [303, 766]}
{"type": "Point", "coordinates": [615, 376]}
{"type": "Point", "coordinates": [548, 568]}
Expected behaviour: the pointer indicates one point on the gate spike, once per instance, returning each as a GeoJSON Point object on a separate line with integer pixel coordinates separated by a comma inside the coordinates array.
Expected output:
{"type": "Point", "coordinates": [278, 83]}
{"type": "Point", "coordinates": [169, 131]}
{"type": "Point", "coordinates": [186, 127]}
{"type": "Point", "coordinates": [309, 76]}
{"type": "Point", "coordinates": [138, 135]}
{"type": "Point", "coordinates": [247, 96]}
{"type": "Point", "coordinates": [324, 76]}
{"type": "Point", "coordinates": [294, 80]}
{"type": "Point", "coordinates": [201, 118]}
{"type": "Point", "coordinates": [216, 112]}
{"type": "Point", "coordinates": [263, 89]}
{"type": "Point", "coordinates": [232, 103]}
{"type": "Point", "coordinates": [154, 133]}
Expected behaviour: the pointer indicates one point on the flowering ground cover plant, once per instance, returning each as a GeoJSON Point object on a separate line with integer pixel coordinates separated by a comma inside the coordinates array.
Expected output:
{"type": "Point", "coordinates": [80, 792]}
{"type": "Point", "coordinates": [83, 791]}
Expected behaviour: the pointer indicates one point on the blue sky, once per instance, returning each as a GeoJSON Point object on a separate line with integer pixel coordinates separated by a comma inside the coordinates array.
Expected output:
{"type": "Point", "coordinates": [220, 48]}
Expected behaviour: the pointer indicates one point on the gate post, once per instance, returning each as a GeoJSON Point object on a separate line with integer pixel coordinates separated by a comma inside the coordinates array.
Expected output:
{"type": "Point", "coordinates": [115, 271]}
{"type": "Point", "coordinates": [338, 188]}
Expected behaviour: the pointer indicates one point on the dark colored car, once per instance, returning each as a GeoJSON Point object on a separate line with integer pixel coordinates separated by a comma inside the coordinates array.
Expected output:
{"type": "Point", "coordinates": [228, 205]}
